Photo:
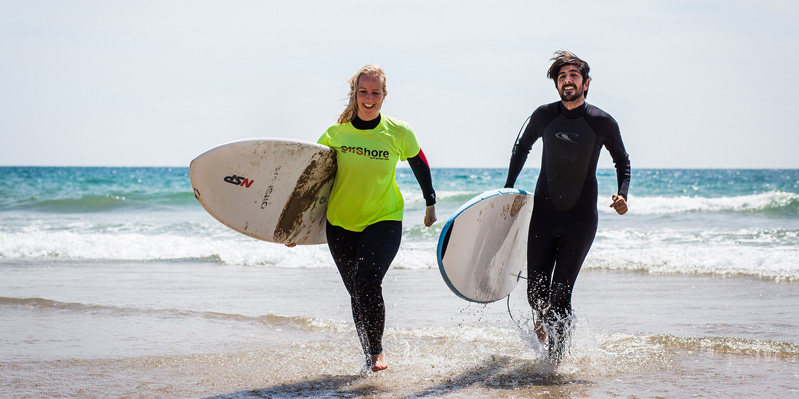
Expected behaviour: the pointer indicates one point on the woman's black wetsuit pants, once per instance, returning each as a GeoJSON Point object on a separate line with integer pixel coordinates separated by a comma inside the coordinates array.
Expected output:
{"type": "Point", "coordinates": [363, 259]}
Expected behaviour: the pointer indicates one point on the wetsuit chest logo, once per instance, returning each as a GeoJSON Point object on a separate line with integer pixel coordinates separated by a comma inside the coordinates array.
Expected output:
{"type": "Point", "coordinates": [568, 137]}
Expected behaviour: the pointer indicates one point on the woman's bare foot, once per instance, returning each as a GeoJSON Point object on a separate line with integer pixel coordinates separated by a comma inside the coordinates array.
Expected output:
{"type": "Point", "coordinates": [379, 363]}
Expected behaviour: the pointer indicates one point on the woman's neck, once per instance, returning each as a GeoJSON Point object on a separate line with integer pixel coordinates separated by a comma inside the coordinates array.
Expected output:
{"type": "Point", "coordinates": [361, 124]}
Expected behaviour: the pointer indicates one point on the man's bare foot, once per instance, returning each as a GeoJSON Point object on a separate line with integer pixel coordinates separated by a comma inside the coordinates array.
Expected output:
{"type": "Point", "coordinates": [379, 363]}
{"type": "Point", "coordinates": [540, 330]}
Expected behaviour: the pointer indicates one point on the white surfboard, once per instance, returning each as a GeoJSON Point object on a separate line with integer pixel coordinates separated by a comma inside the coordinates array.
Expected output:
{"type": "Point", "coordinates": [271, 189]}
{"type": "Point", "coordinates": [482, 249]}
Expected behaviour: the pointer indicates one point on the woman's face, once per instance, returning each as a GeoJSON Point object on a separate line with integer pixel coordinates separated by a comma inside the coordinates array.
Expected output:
{"type": "Point", "coordinates": [369, 96]}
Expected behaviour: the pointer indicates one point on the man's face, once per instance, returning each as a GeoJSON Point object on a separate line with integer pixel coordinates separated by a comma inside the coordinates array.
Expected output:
{"type": "Point", "coordinates": [570, 84]}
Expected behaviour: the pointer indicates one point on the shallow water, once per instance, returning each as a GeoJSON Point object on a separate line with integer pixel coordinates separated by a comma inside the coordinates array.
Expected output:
{"type": "Point", "coordinates": [181, 329]}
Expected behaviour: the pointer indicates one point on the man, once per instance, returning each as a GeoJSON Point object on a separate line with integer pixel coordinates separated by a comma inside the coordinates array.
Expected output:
{"type": "Point", "coordinates": [564, 220]}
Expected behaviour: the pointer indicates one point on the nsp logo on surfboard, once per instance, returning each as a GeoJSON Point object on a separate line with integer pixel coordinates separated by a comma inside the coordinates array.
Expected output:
{"type": "Point", "coordinates": [239, 181]}
{"type": "Point", "coordinates": [372, 154]}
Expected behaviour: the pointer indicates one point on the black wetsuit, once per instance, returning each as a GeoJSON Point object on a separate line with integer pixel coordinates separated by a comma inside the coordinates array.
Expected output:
{"type": "Point", "coordinates": [363, 258]}
{"type": "Point", "coordinates": [564, 220]}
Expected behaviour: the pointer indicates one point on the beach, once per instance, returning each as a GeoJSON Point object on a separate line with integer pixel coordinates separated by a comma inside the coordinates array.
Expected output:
{"type": "Point", "coordinates": [116, 283]}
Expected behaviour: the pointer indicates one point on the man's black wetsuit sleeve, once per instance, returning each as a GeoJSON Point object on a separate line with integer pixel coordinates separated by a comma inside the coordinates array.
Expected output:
{"type": "Point", "coordinates": [422, 172]}
{"type": "Point", "coordinates": [611, 139]}
{"type": "Point", "coordinates": [622, 163]}
{"type": "Point", "coordinates": [522, 147]}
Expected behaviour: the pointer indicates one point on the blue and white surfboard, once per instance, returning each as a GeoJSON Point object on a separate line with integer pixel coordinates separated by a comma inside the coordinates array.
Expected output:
{"type": "Point", "coordinates": [482, 249]}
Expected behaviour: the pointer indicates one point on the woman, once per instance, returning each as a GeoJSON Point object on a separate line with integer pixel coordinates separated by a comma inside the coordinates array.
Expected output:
{"type": "Point", "coordinates": [364, 216]}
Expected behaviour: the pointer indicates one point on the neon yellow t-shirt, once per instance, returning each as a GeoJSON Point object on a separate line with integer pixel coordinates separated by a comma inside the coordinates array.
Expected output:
{"type": "Point", "coordinates": [365, 190]}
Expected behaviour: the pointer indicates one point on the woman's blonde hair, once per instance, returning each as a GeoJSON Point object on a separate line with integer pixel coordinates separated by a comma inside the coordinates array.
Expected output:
{"type": "Point", "coordinates": [352, 107]}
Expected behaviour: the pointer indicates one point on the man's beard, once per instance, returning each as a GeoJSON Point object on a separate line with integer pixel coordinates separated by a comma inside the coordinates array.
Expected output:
{"type": "Point", "coordinates": [577, 92]}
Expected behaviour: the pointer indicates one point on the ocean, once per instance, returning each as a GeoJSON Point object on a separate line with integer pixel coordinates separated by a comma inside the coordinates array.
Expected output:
{"type": "Point", "coordinates": [116, 283]}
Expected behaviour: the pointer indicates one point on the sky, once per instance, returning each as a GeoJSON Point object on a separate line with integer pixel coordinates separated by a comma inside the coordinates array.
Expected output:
{"type": "Point", "coordinates": [692, 83]}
